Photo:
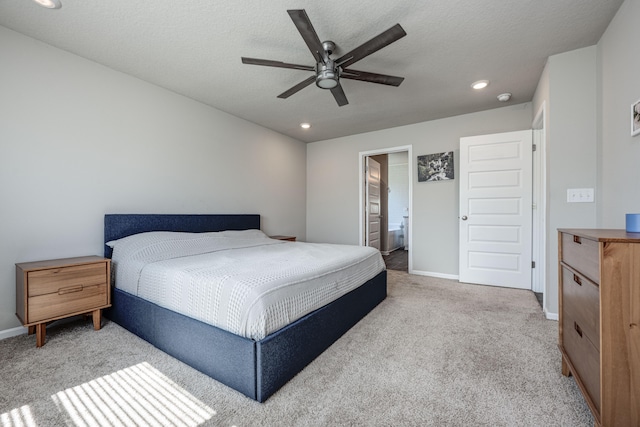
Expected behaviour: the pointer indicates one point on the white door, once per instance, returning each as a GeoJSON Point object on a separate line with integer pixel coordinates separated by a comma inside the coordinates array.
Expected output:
{"type": "Point", "coordinates": [372, 198]}
{"type": "Point", "coordinates": [496, 209]}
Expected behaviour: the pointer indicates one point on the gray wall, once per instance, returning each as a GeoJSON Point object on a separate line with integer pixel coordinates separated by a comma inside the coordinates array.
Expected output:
{"type": "Point", "coordinates": [568, 89]}
{"type": "Point", "coordinates": [332, 183]}
{"type": "Point", "coordinates": [619, 64]}
{"type": "Point", "coordinates": [399, 187]}
{"type": "Point", "coordinates": [588, 95]}
{"type": "Point", "coordinates": [78, 140]}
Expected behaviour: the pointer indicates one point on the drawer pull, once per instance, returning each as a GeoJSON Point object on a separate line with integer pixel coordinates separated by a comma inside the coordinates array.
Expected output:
{"type": "Point", "coordinates": [70, 289]}
{"type": "Point", "coordinates": [576, 239]}
{"type": "Point", "coordinates": [578, 329]}
{"type": "Point", "coordinates": [577, 279]}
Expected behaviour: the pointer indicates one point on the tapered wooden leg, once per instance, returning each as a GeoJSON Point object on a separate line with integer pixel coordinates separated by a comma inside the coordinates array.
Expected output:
{"type": "Point", "coordinates": [31, 330]}
{"type": "Point", "coordinates": [41, 333]}
{"type": "Point", "coordinates": [565, 368]}
{"type": "Point", "coordinates": [97, 319]}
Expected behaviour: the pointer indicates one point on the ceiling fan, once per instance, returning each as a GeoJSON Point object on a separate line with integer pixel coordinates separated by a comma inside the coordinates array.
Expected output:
{"type": "Point", "coordinates": [328, 71]}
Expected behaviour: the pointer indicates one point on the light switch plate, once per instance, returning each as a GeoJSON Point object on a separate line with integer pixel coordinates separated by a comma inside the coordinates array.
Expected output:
{"type": "Point", "coordinates": [580, 195]}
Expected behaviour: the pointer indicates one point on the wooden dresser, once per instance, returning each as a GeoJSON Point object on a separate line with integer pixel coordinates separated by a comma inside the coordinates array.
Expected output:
{"type": "Point", "coordinates": [59, 288]}
{"type": "Point", "coordinates": [599, 297]}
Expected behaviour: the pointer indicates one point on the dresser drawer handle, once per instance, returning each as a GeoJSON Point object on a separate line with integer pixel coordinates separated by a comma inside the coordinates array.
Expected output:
{"type": "Point", "coordinates": [578, 329]}
{"type": "Point", "coordinates": [70, 289]}
{"type": "Point", "coordinates": [576, 239]}
{"type": "Point", "coordinates": [577, 279]}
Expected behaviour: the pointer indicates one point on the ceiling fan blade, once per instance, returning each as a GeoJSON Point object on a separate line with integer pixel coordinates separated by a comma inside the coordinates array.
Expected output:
{"type": "Point", "coordinates": [297, 87]}
{"type": "Point", "coordinates": [339, 95]}
{"type": "Point", "coordinates": [304, 26]}
{"type": "Point", "coordinates": [279, 64]}
{"type": "Point", "coordinates": [382, 79]}
{"type": "Point", "coordinates": [378, 42]}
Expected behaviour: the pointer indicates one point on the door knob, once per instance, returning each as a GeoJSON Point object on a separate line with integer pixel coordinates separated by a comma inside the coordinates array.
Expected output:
{"type": "Point", "coordinates": [464, 217]}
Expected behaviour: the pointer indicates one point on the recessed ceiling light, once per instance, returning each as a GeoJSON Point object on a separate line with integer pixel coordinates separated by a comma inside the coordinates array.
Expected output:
{"type": "Point", "coordinates": [480, 84]}
{"type": "Point", "coordinates": [49, 4]}
{"type": "Point", "coordinates": [305, 125]}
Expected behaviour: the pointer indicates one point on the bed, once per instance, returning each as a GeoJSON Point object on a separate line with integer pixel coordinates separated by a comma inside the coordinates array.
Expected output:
{"type": "Point", "coordinates": [255, 367]}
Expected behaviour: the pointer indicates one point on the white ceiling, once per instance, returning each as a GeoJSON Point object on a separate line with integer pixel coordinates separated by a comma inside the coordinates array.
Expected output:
{"type": "Point", "coordinates": [193, 47]}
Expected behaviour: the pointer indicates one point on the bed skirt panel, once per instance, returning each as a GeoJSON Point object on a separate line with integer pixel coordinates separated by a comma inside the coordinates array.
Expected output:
{"type": "Point", "coordinates": [222, 355]}
{"type": "Point", "coordinates": [285, 353]}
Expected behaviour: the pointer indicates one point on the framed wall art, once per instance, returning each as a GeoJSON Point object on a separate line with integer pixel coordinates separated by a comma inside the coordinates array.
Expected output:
{"type": "Point", "coordinates": [635, 118]}
{"type": "Point", "coordinates": [435, 167]}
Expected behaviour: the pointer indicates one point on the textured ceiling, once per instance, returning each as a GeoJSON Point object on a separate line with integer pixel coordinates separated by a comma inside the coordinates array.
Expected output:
{"type": "Point", "coordinates": [193, 47]}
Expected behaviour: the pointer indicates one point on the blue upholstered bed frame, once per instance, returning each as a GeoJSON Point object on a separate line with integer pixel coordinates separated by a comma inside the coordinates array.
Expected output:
{"type": "Point", "coordinates": [255, 368]}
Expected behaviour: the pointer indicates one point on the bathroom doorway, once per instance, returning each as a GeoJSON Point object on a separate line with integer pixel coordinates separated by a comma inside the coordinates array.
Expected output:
{"type": "Point", "coordinates": [394, 238]}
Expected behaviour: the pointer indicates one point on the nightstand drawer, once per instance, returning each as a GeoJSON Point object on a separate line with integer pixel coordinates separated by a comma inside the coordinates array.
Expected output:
{"type": "Point", "coordinates": [582, 255]}
{"type": "Point", "coordinates": [581, 300]}
{"type": "Point", "coordinates": [49, 281]}
{"type": "Point", "coordinates": [69, 300]}
{"type": "Point", "coordinates": [583, 355]}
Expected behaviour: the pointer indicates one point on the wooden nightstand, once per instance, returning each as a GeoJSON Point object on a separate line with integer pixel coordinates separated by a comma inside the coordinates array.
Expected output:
{"type": "Point", "coordinates": [55, 289]}
{"type": "Point", "coordinates": [288, 238]}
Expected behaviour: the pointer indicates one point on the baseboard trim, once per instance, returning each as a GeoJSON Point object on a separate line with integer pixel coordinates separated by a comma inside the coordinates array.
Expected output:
{"type": "Point", "coordinates": [551, 316]}
{"type": "Point", "coordinates": [13, 332]}
{"type": "Point", "coordinates": [433, 274]}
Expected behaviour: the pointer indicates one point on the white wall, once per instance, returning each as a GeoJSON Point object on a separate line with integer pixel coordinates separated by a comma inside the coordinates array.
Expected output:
{"type": "Point", "coordinates": [399, 187]}
{"type": "Point", "coordinates": [619, 63]}
{"type": "Point", "coordinates": [78, 140]}
{"type": "Point", "coordinates": [568, 88]}
{"type": "Point", "coordinates": [332, 183]}
{"type": "Point", "coordinates": [588, 94]}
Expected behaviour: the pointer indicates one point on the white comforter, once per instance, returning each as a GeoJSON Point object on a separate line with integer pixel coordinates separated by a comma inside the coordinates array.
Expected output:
{"type": "Point", "coordinates": [240, 281]}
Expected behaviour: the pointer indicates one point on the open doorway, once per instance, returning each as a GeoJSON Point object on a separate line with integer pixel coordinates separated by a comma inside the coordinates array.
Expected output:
{"type": "Point", "coordinates": [386, 204]}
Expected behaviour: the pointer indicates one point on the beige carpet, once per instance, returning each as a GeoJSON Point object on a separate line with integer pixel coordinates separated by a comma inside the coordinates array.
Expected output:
{"type": "Point", "coordinates": [435, 352]}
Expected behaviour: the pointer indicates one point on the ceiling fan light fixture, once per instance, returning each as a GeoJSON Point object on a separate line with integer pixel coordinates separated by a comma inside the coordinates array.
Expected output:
{"type": "Point", "coordinates": [327, 81]}
{"type": "Point", "coordinates": [327, 75]}
{"type": "Point", "coordinates": [480, 84]}
{"type": "Point", "coordinates": [49, 4]}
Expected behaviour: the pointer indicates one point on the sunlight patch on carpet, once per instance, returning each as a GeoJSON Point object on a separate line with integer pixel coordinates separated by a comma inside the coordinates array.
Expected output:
{"type": "Point", "coordinates": [136, 396]}
{"type": "Point", "coordinates": [18, 417]}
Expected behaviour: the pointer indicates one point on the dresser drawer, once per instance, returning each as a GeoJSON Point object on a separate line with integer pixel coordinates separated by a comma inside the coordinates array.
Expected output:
{"type": "Point", "coordinates": [67, 301]}
{"type": "Point", "coordinates": [581, 299]}
{"type": "Point", "coordinates": [52, 280]}
{"type": "Point", "coordinates": [584, 357]}
{"type": "Point", "coordinates": [582, 254]}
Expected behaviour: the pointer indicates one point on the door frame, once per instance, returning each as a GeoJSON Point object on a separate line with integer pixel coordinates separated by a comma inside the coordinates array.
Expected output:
{"type": "Point", "coordinates": [539, 237]}
{"type": "Point", "coordinates": [362, 182]}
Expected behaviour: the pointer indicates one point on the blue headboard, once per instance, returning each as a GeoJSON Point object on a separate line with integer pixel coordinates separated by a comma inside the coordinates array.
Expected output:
{"type": "Point", "coordinates": [117, 226]}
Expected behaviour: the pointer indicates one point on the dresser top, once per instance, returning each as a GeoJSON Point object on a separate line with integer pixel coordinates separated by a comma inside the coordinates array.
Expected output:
{"type": "Point", "coordinates": [603, 235]}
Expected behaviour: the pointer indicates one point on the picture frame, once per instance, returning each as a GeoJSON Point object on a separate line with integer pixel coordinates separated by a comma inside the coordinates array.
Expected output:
{"type": "Point", "coordinates": [635, 118]}
{"type": "Point", "coordinates": [436, 167]}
